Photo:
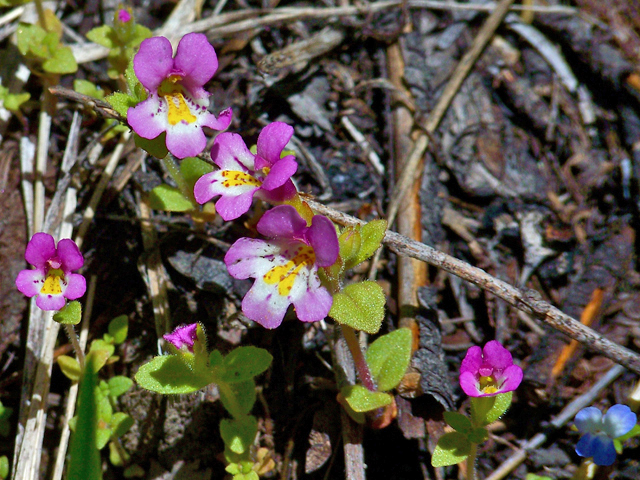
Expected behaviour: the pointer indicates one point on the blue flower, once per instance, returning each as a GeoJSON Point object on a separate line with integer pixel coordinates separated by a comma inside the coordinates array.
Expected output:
{"type": "Point", "coordinates": [599, 432]}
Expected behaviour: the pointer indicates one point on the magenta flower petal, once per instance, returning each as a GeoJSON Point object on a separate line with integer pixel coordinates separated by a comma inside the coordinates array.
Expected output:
{"type": "Point", "coordinates": [285, 267]}
{"type": "Point", "coordinates": [221, 123]}
{"type": "Point", "coordinates": [469, 384]}
{"type": "Point", "coordinates": [52, 280]}
{"type": "Point", "coordinates": [280, 173]}
{"type": "Point", "coordinates": [512, 375]}
{"type": "Point", "coordinates": [40, 249]}
{"type": "Point", "coordinates": [272, 140]}
{"type": "Point", "coordinates": [183, 336]}
{"type": "Point", "coordinates": [472, 360]}
{"type": "Point", "coordinates": [76, 286]}
{"type": "Point", "coordinates": [229, 152]}
{"type": "Point", "coordinates": [177, 102]}
{"type": "Point", "coordinates": [29, 282]}
{"type": "Point", "coordinates": [231, 208]}
{"type": "Point", "coordinates": [50, 302]}
{"type": "Point", "coordinates": [148, 118]}
{"type": "Point", "coordinates": [283, 221]}
{"type": "Point", "coordinates": [496, 355]}
{"type": "Point", "coordinates": [185, 141]}
{"type": "Point", "coordinates": [70, 256]}
{"type": "Point", "coordinates": [489, 371]}
{"type": "Point", "coordinates": [314, 305]}
{"type": "Point", "coordinates": [153, 62]}
{"type": "Point", "coordinates": [322, 237]}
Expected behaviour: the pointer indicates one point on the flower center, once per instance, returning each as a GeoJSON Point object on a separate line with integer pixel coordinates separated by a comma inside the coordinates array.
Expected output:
{"type": "Point", "coordinates": [172, 92]}
{"type": "Point", "coordinates": [234, 178]}
{"type": "Point", "coordinates": [52, 282]}
{"type": "Point", "coordinates": [285, 275]}
{"type": "Point", "coordinates": [488, 385]}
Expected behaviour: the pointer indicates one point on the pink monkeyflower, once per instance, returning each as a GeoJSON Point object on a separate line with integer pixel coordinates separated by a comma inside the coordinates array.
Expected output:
{"type": "Point", "coordinates": [124, 15]}
{"type": "Point", "coordinates": [285, 266]}
{"type": "Point", "coordinates": [243, 174]}
{"type": "Point", "coordinates": [177, 103]}
{"type": "Point", "coordinates": [489, 371]}
{"type": "Point", "coordinates": [52, 280]}
{"type": "Point", "coordinates": [183, 336]}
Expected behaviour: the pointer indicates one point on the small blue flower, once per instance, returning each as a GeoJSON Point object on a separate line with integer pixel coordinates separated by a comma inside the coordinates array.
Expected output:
{"type": "Point", "coordinates": [599, 432]}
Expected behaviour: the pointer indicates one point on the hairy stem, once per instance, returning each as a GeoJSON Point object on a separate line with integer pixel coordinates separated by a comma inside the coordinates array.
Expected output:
{"type": "Point", "coordinates": [358, 358]}
{"type": "Point", "coordinates": [174, 170]}
{"type": "Point", "coordinates": [471, 462]}
{"type": "Point", "coordinates": [73, 338]}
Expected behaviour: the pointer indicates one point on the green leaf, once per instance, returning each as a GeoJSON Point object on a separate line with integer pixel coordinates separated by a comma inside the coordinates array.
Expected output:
{"type": "Point", "coordinates": [11, 101]}
{"type": "Point", "coordinates": [361, 399]}
{"type": "Point", "coordinates": [70, 367]}
{"type": "Point", "coordinates": [372, 234]}
{"type": "Point", "coordinates": [169, 199]}
{"type": "Point", "coordinates": [61, 62]}
{"type": "Point", "coordinates": [88, 88]}
{"type": "Point", "coordinates": [193, 168]}
{"type": "Point", "coordinates": [388, 358]}
{"type": "Point", "coordinates": [115, 455]}
{"type": "Point", "coordinates": [119, 328]}
{"type": "Point", "coordinates": [119, 385]}
{"type": "Point", "coordinates": [70, 314]}
{"type": "Point", "coordinates": [238, 398]}
{"type": "Point", "coordinates": [486, 410]}
{"type": "Point", "coordinates": [360, 305]}
{"type": "Point", "coordinates": [244, 363]}
{"type": "Point", "coordinates": [452, 448]}
{"type": "Point", "coordinates": [120, 424]}
{"type": "Point", "coordinates": [84, 462]}
{"type": "Point", "coordinates": [103, 35]}
{"type": "Point", "coordinates": [238, 433]}
{"type": "Point", "coordinates": [350, 242]}
{"type": "Point", "coordinates": [28, 35]}
{"type": "Point", "coordinates": [102, 437]}
{"type": "Point", "coordinates": [215, 358]}
{"type": "Point", "coordinates": [4, 467]}
{"type": "Point", "coordinates": [478, 435]}
{"type": "Point", "coordinates": [121, 102]}
{"type": "Point", "coordinates": [169, 374]}
{"type": "Point", "coordinates": [458, 422]}
{"type": "Point", "coordinates": [533, 476]}
{"type": "Point", "coordinates": [156, 147]}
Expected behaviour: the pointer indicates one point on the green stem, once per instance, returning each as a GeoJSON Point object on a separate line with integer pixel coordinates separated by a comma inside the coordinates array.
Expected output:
{"type": "Point", "coordinates": [41, 17]}
{"type": "Point", "coordinates": [471, 462]}
{"type": "Point", "coordinates": [174, 170]}
{"type": "Point", "coordinates": [358, 358]}
{"type": "Point", "coordinates": [71, 333]}
{"type": "Point", "coordinates": [234, 409]}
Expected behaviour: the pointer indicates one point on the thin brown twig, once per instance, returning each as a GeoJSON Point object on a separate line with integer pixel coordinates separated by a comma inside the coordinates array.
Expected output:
{"type": "Point", "coordinates": [526, 300]}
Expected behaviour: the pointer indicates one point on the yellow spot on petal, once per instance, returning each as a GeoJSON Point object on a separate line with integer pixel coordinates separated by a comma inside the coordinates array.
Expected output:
{"type": "Point", "coordinates": [285, 275]}
{"type": "Point", "coordinates": [233, 178]}
{"type": "Point", "coordinates": [52, 283]}
{"type": "Point", "coordinates": [173, 94]}
{"type": "Point", "coordinates": [488, 385]}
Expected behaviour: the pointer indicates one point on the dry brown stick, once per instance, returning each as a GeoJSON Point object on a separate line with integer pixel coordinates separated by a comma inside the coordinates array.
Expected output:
{"type": "Point", "coordinates": [409, 174]}
{"type": "Point", "coordinates": [526, 300]}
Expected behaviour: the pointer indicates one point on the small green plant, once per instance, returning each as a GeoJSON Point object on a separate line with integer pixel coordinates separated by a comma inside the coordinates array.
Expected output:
{"type": "Point", "coordinates": [190, 367]}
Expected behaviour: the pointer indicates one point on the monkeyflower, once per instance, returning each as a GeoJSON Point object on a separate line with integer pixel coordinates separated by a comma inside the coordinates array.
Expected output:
{"type": "Point", "coordinates": [489, 371]}
{"type": "Point", "coordinates": [124, 15]}
{"type": "Point", "coordinates": [598, 432]}
{"type": "Point", "coordinates": [52, 280]}
{"type": "Point", "coordinates": [285, 266]}
{"type": "Point", "coordinates": [243, 174]}
{"type": "Point", "coordinates": [177, 103]}
{"type": "Point", "coordinates": [183, 337]}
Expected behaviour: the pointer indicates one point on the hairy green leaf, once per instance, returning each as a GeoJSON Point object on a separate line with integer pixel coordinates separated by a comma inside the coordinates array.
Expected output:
{"type": "Point", "coordinates": [238, 433]}
{"type": "Point", "coordinates": [119, 385]}
{"type": "Point", "coordinates": [360, 305]}
{"type": "Point", "coordinates": [452, 448]}
{"type": "Point", "coordinates": [70, 367]}
{"type": "Point", "coordinates": [169, 374]}
{"type": "Point", "coordinates": [388, 358]}
{"type": "Point", "coordinates": [119, 328]}
{"type": "Point", "coordinates": [244, 363]}
{"type": "Point", "coordinates": [361, 399]}
{"type": "Point", "coordinates": [458, 422]}
{"type": "Point", "coordinates": [70, 314]}
{"type": "Point", "coordinates": [169, 199]}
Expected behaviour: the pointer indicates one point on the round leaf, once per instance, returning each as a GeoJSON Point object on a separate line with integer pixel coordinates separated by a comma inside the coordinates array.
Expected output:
{"type": "Point", "coordinates": [70, 367]}
{"type": "Point", "coordinates": [360, 306]}
{"type": "Point", "coordinates": [238, 433]}
{"type": "Point", "coordinates": [119, 328]}
{"type": "Point", "coordinates": [458, 422]}
{"type": "Point", "coordinates": [169, 199]}
{"type": "Point", "coordinates": [243, 364]}
{"type": "Point", "coordinates": [361, 399]}
{"type": "Point", "coordinates": [169, 374]}
{"type": "Point", "coordinates": [388, 358]}
{"type": "Point", "coordinates": [452, 448]}
{"type": "Point", "coordinates": [70, 314]}
{"type": "Point", "coordinates": [119, 385]}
